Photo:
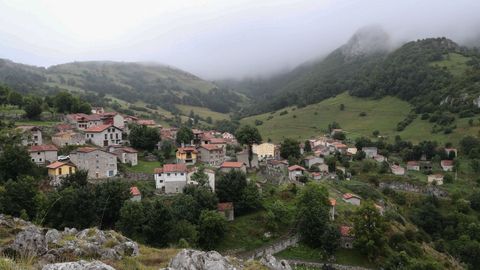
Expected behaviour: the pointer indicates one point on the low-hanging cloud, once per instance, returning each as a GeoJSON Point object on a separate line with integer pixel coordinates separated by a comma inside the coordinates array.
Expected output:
{"type": "Point", "coordinates": [215, 38]}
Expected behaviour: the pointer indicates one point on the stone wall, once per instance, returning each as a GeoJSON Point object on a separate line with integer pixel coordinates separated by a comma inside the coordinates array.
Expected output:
{"type": "Point", "coordinates": [138, 176]}
{"type": "Point", "coordinates": [433, 190]}
{"type": "Point", "coordinates": [295, 263]}
{"type": "Point", "coordinates": [272, 248]}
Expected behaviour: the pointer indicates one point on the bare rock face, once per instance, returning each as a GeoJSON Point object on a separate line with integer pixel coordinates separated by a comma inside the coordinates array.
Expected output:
{"type": "Point", "coordinates": [80, 265]}
{"type": "Point", "coordinates": [189, 259]}
{"type": "Point", "coordinates": [30, 241]}
{"type": "Point", "coordinates": [274, 264]}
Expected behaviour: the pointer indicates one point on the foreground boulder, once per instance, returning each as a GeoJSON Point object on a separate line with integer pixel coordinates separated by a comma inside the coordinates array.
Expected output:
{"type": "Point", "coordinates": [51, 245]}
{"type": "Point", "coordinates": [189, 259]}
{"type": "Point", "coordinates": [80, 265]}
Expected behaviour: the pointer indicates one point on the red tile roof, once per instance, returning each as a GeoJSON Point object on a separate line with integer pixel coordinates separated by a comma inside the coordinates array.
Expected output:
{"type": "Point", "coordinates": [413, 163]}
{"type": "Point", "coordinates": [225, 206]}
{"type": "Point", "coordinates": [333, 202]}
{"type": "Point", "coordinates": [98, 128]}
{"type": "Point", "coordinates": [86, 149]}
{"type": "Point", "coordinates": [42, 148]}
{"type": "Point", "coordinates": [347, 196]}
{"type": "Point", "coordinates": [134, 191]}
{"type": "Point", "coordinates": [186, 149]}
{"type": "Point", "coordinates": [231, 164]}
{"type": "Point", "coordinates": [129, 150]}
{"type": "Point", "coordinates": [145, 122]}
{"type": "Point", "coordinates": [217, 141]}
{"type": "Point", "coordinates": [85, 117]}
{"type": "Point", "coordinates": [57, 164]}
{"type": "Point", "coordinates": [296, 168]}
{"type": "Point", "coordinates": [168, 168]}
{"type": "Point", "coordinates": [345, 230]}
{"type": "Point", "coordinates": [446, 162]}
{"type": "Point", "coordinates": [211, 147]}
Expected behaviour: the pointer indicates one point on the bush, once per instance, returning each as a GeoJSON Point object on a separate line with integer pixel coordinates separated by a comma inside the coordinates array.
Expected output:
{"type": "Point", "coordinates": [258, 122]}
{"type": "Point", "coordinates": [362, 114]}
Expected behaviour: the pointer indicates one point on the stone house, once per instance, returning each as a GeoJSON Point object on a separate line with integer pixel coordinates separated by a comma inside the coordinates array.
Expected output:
{"type": "Point", "coordinates": [312, 160]}
{"type": "Point", "coordinates": [243, 157]}
{"type": "Point", "coordinates": [295, 172]}
{"type": "Point", "coordinates": [264, 150]}
{"type": "Point", "coordinates": [436, 179]}
{"type": "Point", "coordinates": [126, 155]}
{"type": "Point", "coordinates": [413, 166]}
{"type": "Point", "coordinates": [397, 170]}
{"type": "Point", "coordinates": [97, 110]}
{"type": "Point", "coordinates": [98, 163]}
{"type": "Point", "coordinates": [171, 178]}
{"type": "Point", "coordinates": [113, 118]}
{"type": "Point", "coordinates": [83, 121]}
{"type": "Point", "coordinates": [352, 198]}
{"type": "Point", "coordinates": [447, 165]}
{"type": "Point", "coordinates": [58, 170]}
{"type": "Point", "coordinates": [370, 152]}
{"type": "Point", "coordinates": [211, 154]}
{"type": "Point", "coordinates": [32, 135]}
{"type": "Point", "coordinates": [323, 168]}
{"type": "Point", "coordinates": [65, 138]}
{"type": "Point", "coordinates": [227, 210]}
{"type": "Point", "coordinates": [233, 165]}
{"type": "Point", "coordinates": [379, 158]}
{"type": "Point", "coordinates": [104, 135]}
{"type": "Point", "coordinates": [43, 154]}
{"type": "Point", "coordinates": [187, 155]}
{"type": "Point", "coordinates": [346, 237]}
{"type": "Point", "coordinates": [136, 195]}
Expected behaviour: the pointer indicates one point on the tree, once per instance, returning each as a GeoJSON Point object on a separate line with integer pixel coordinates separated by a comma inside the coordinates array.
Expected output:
{"type": "Point", "coordinates": [15, 98]}
{"type": "Point", "coordinates": [308, 147]}
{"type": "Point", "coordinates": [211, 227]}
{"type": "Point", "coordinates": [200, 177]}
{"type": "Point", "coordinates": [110, 197]}
{"type": "Point", "coordinates": [33, 107]}
{"type": "Point", "coordinates": [184, 135]}
{"type": "Point", "coordinates": [167, 148]}
{"type": "Point", "coordinates": [20, 195]}
{"type": "Point", "coordinates": [313, 214]}
{"type": "Point", "coordinates": [203, 195]}
{"type": "Point", "coordinates": [159, 223]}
{"type": "Point", "coordinates": [342, 107]}
{"type": "Point", "coordinates": [369, 228]}
{"type": "Point", "coordinates": [290, 148]}
{"type": "Point", "coordinates": [143, 137]}
{"type": "Point", "coordinates": [233, 187]}
{"type": "Point", "coordinates": [186, 231]}
{"type": "Point", "coordinates": [248, 135]}
{"type": "Point", "coordinates": [76, 180]}
{"type": "Point", "coordinates": [185, 207]}
{"type": "Point", "coordinates": [15, 161]}
{"type": "Point", "coordinates": [131, 219]}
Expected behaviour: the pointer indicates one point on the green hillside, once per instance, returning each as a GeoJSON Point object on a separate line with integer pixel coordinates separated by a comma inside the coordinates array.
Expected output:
{"type": "Point", "coordinates": [381, 114]}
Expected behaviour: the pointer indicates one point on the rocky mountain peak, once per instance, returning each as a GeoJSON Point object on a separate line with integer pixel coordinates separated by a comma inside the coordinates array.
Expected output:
{"type": "Point", "coordinates": [366, 41]}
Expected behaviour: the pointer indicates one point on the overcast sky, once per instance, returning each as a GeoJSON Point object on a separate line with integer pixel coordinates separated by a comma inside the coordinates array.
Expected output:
{"type": "Point", "coordinates": [216, 38]}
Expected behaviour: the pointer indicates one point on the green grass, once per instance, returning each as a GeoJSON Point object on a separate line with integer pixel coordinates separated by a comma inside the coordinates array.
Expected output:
{"type": "Point", "coordinates": [144, 166]}
{"type": "Point", "coordinates": [245, 233]}
{"type": "Point", "coordinates": [382, 114]}
{"type": "Point", "coordinates": [455, 63]}
{"type": "Point", "coordinates": [343, 256]}
{"type": "Point", "coordinates": [36, 123]}
{"type": "Point", "coordinates": [203, 112]}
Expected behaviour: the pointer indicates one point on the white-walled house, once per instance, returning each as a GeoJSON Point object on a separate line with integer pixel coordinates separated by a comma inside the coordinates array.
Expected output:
{"type": "Point", "coordinates": [171, 178]}
{"type": "Point", "coordinates": [312, 160]}
{"type": "Point", "coordinates": [32, 135]}
{"type": "Point", "coordinates": [370, 152]}
{"type": "Point", "coordinates": [104, 135]}
{"type": "Point", "coordinates": [43, 154]}
{"type": "Point", "coordinates": [436, 179]}
{"type": "Point", "coordinates": [295, 172]}
{"type": "Point", "coordinates": [352, 198]}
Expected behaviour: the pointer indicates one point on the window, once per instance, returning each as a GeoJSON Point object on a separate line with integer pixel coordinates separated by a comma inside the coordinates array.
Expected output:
{"type": "Point", "coordinates": [110, 173]}
{"type": "Point", "coordinates": [40, 159]}
{"type": "Point", "coordinates": [116, 136]}
{"type": "Point", "coordinates": [168, 174]}
{"type": "Point", "coordinates": [111, 136]}
{"type": "Point", "coordinates": [106, 136]}
{"type": "Point", "coordinates": [59, 170]}
{"type": "Point", "coordinates": [38, 153]}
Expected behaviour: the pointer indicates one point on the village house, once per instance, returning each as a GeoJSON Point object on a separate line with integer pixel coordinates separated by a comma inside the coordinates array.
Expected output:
{"type": "Point", "coordinates": [335, 131]}
{"type": "Point", "coordinates": [113, 118]}
{"type": "Point", "coordinates": [208, 172]}
{"type": "Point", "coordinates": [243, 157]}
{"type": "Point", "coordinates": [413, 166]}
{"type": "Point", "coordinates": [346, 237]}
{"type": "Point", "coordinates": [321, 151]}
{"type": "Point", "coordinates": [317, 175]}
{"type": "Point", "coordinates": [146, 122]}
{"type": "Point", "coordinates": [211, 154]}
{"type": "Point", "coordinates": [103, 135]}
{"type": "Point", "coordinates": [447, 165]}
{"type": "Point", "coordinates": [370, 152]}
{"type": "Point", "coordinates": [342, 169]}
{"type": "Point", "coordinates": [171, 178]}
{"type": "Point", "coordinates": [278, 166]}
{"type": "Point", "coordinates": [312, 160]}
{"type": "Point", "coordinates": [264, 150]}
{"type": "Point", "coordinates": [168, 134]}
{"type": "Point", "coordinates": [233, 165]}
{"type": "Point", "coordinates": [187, 155]}
{"type": "Point", "coordinates": [126, 155]}
{"type": "Point", "coordinates": [452, 151]}
{"type": "Point", "coordinates": [352, 198]}
{"type": "Point", "coordinates": [98, 163]}
{"type": "Point", "coordinates": [83, 121]}
{"type": "Point", "coordinates": [43, 154]}
{"type": "Point", "coordinates": [227, 210]}
{"type": "Point", "coordinates": [97, 110]}
{"type": "Point", "coordinates": [333, 203]}
{"type": "Point", "coordinates": [229, 138]}
{"type": "Point", "coordinates": [58, 170]}
{"type": "Point", "coordinates": [323, 168]}
{"type": "Point", "coordinates": [135, 193]}
{"type": "Point", "coordinates": [397, 170]}
{"type": "Point", "coordinates": [65, 138]}
{"type": "Point", "coordinates": [338, 147]}
{"type": "Point", "coordinates": [32, 135]}
{"type": "Point", "coordinates": [436, 179]}
{"type": "Point", "coordinates": [425, 165]}
{"type": "Point", "coordinates": [352, 150]}
{"type": "Point", "coordinates": [295, 172]}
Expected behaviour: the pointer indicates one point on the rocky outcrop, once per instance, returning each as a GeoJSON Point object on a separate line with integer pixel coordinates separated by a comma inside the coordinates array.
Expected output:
{"type": "Point", "coordinates": [51, 245]}
{"type": "Point", "coordinates": [404, 186]}
{"type": "Point", "coordinates": [80, 265]}
{"type": "Point", "coordinates": [189, 259]}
